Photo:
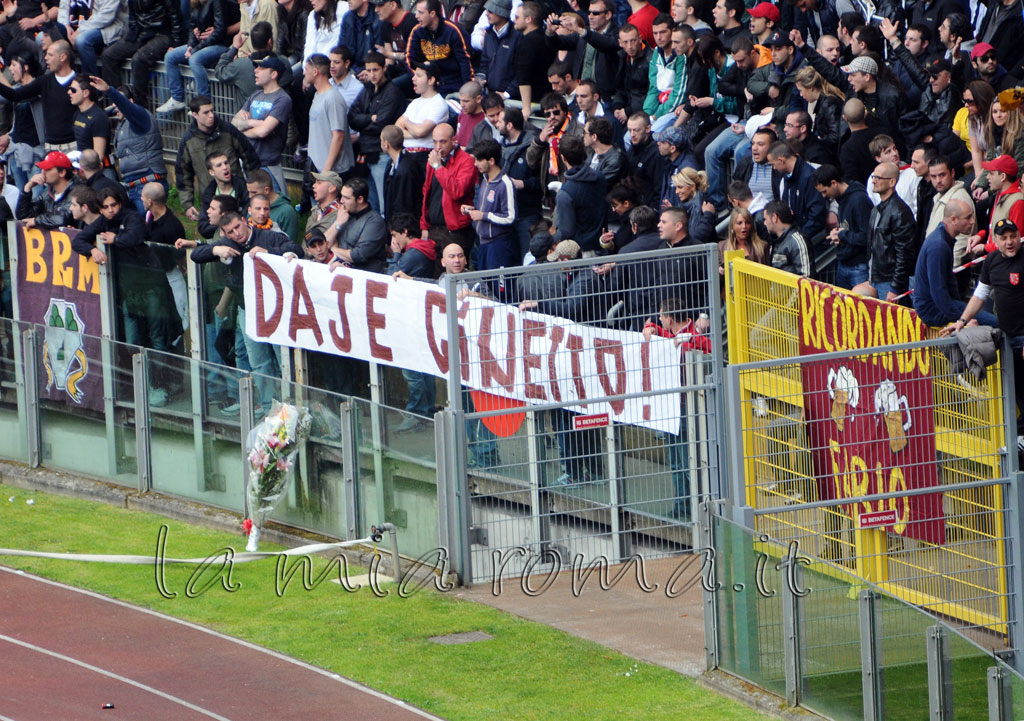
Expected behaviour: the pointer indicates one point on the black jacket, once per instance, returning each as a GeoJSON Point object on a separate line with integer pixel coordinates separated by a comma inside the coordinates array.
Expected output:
{"type": "Point", "coordinates": [854, 225]}
{"type": "Point", "coordinates": [403, 189]}
{"type": "Point", "coordinates": [606, 61]}
{"type": "Point", "coordinates": [211, 14]}
{"type": "Point", "coordinates": [205, 227]}
{"type": "Point", "coordinates": [1007, 37]}
{"type": "Point", "coordinates": [802, 196]}
{"type": "Point", "coordinates": [632, 82]}
{"type": "Point", "coordinates": [733, 83]}
{"type": "Point", "coordinates": [387, 103]}
{"type": "Point", "coordinates": [648, 165]}
{"type": "Point", "coordinates": [942, 107]}
{"type": "Point", "coordinates": [146, 20]}
{"type": "Point", "coordinates": [513, 162]}
{"type": "Point", "coordinates": [828, 118]}
{"type": "Point", "coordinates": [129, 249]}
{"type": "Point", "coordinates": [272, 241]}
{"type": "Point", "coordinates": [291, 30]}
{"type": "Point", "coordinates": [49, 211]}
{"type": "Point", "coordinates": [892, 253]}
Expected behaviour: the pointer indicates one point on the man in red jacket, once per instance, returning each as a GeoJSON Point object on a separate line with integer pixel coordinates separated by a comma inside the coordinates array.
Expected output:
{"type": "Point", "coordinates": [1004, 185]}
{"type": "Point", "coordinates": [449, 184]}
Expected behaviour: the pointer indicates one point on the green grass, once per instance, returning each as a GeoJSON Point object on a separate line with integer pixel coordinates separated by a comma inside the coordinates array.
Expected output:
{"type": "Point", "coordinates": [528, 671]}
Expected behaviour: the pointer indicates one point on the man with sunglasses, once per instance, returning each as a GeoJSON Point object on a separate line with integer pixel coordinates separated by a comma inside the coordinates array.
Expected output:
{"type": "Point", "coordinates": [986, 64]}
{"type": "Point", "coordinates": [595, 50]}
{"type": "Point", "coordinates": [542, 155]}
{"type": "Point", "coordinates": [52, 209]}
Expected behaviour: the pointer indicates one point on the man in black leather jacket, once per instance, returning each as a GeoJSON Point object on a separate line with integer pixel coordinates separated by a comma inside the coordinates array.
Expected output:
{"type": "Point", "coordinates": [52, 209]}
{"type": "Point", "coordinates": [891, 251]}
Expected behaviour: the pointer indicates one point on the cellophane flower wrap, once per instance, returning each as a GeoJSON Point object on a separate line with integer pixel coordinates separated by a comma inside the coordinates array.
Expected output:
{"type": "Point", "coordinates": [273, 445]}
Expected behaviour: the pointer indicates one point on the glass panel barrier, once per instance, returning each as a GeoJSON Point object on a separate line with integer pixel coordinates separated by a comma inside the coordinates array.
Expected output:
{"type": "Point", "coordinates": [13, 420]}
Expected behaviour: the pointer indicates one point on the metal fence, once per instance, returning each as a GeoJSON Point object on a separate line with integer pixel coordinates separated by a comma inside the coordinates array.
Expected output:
{"type": "Point", "coordinates": [583, 437]}
{"type": "Point", "coordinates": [842, 647]}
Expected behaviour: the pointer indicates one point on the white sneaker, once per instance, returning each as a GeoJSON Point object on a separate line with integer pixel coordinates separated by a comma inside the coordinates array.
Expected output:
{"type": "Point", "coordinates": [171, 106]}
{"type": "Point", "coordinates": [1020, 444]}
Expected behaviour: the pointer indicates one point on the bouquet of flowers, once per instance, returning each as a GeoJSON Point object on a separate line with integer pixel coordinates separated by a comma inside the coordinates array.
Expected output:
{"type": "Point", "coordinates": [272, 448]}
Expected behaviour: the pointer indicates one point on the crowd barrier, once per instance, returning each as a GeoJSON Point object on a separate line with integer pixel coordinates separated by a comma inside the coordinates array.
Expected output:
{"type": "Point", "coordinates": [836, 645]}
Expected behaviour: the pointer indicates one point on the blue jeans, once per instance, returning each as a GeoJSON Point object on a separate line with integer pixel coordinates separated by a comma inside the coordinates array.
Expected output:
{"type": "Point", "coordinates": [218, 385]}
{"type": "Point", "coordinates": [847, 276]}
{"type": "Point", "coordinates": [262, 359]}
{"type": "Point", "coordinates": [377, 183]}
{"type": "Point", "coordinates": [88, 46]}
{"type": "Point", "coordinates": [679, 463]}
{"type": "Point", "coordinates": [483, 445]}
{"type": "Point", "coordinates": [198, 62]}
{"type": "Point", "coordinates": [135, 193]}
{"type": "Point", "coordinates": [422, 393]}
{"type": "Point", "coordinates": [715, 156]}
{"type": "Point", "coordinates": [522, 226]}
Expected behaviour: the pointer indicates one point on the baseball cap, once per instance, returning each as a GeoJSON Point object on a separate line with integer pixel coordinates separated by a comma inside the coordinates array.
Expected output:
{"type": "Point", "coordinates": [672, 136]}
{"type": "Point", "coordinates": [1002, 164]}
{"type": "Point", "coordinates": [777, 39]}
{"type": "Point", "coordinates": [54, 159]}
{"type": "Point", "coordinates": [1005, 226]}
{"type": "Point", "coordinates": [499, 7]}
{"type": "Point", "coordinates": [861, 65]}
{"type": "Point", "coordinates": [332, 178]}
{"type": "Point", "coordinates": [272, 62]}
{"type": "Point", "coordinates": [981, 49]}
{"type": "Point", "coordinates": [566, 248]}
{"type": "Point", "coordinates": [765, 10]}
{"type": "Point", "coordinates": [937, 65]}
{"type": "Point", "coordinates": [315, 235]}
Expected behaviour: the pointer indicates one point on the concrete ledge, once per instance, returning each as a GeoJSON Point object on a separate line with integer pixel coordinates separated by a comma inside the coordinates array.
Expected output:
{"type": "Point", "coordinates": [754, 696]}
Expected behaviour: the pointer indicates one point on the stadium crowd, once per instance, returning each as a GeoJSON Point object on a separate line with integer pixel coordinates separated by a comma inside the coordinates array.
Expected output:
{"type": "Point", "coordinates": [495, 133]}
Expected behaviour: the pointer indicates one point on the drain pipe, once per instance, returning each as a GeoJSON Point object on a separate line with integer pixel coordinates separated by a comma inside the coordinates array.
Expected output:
{"type": "Point", "coordinates": [377, 534]}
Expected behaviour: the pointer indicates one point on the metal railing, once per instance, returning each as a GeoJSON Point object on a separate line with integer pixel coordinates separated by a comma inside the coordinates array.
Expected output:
{"type": "Point", "coordinates": [806, 630]}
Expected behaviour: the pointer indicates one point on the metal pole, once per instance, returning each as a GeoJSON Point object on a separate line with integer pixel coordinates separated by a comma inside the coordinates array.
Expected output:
{"type": "Point", "coordinates": [620, 540]}
{"type": "Point", "coordinates": [459, 478]}
{"type": "Point", "coordinates": [140, 369]}
{"type": "Point", "coordinates": [737, 498]}
{"type": "Point", "coordinates": [350, 468]}
{"type": "Point", "coordinates": [539, 500]}
{"type": "Point", "coordinates": [706, 532]}
{"type": "Point", "coordinates": [1000, 695]}
{"type": "Point", "coordinates": [791, 641]}
{"type": "Point", "coordinates": [940, 676]}
{"type": "Point", "coordinates": [245, 426]}
{"type": "Point", "coordinates": [31, 365]}
{"type": "Point", "coordinates": [720, 405]}
{"type": "Point", "coordinates": [870, 658]}
{"type": "Point", "coordinates": [1013, 501]}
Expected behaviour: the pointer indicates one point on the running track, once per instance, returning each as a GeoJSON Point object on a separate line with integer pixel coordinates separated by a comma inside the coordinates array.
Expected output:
{"type": "Point", "coordinates": [64, 653]}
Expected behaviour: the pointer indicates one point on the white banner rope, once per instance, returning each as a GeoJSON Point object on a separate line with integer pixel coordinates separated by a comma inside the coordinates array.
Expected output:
{"type": "Point", "coordinates": [243, 557]}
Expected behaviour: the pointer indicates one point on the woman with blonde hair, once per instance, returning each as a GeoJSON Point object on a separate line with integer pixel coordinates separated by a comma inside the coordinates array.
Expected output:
{"type": "Point", "coordinates": [824, 105]}
{"type": "Point", "coordinates": [690, 187]}
{"type": "Point", "coordinates": [742, 235]}
{"type": "Point", "coordinates": [1002, 134]}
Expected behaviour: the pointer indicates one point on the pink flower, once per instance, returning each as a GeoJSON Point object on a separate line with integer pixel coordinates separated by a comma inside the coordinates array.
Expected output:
{"type": "Point", "coordinates": [247, 526]}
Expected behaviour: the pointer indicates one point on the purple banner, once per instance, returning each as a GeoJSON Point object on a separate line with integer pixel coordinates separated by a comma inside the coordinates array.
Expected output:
{"type": "Point", "coordinates": [61, 290]}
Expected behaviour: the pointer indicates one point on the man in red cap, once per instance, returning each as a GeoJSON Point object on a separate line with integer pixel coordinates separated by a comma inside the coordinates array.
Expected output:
{"type": "Point", "coordinates": [763, 18]}
{"type": "Point", "coordinates": [52, 209]}
{"type": "Point", "coordinates": [1004, 184]}
{"type": "Point", "coordinates": [986, 62]}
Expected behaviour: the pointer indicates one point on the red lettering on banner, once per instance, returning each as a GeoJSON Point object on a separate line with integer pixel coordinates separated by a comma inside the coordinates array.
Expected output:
{"type": "Point", "coordinates": [645, 376]}
{"type": "Point", "coordinates": [376, 321]}
{"type": "Point", "coordinates": [342, 286]}
{"type": "Point", "coordinates": [575, 345]}
{"type": "Point", "coordinates": [303, 320]}
{"type": "Point", "coordinates": [436, 301]}
{"type": "Point", "coordinates": [531, 361]}
{"type": "Point", "coordinates": [463, 341]}
{"type": "Point", "coordinates": [490, 369]}
{"type": "Point", "coordinates": [557, 333]}
{"type": "Point", "coordinates": [261, 269]}
{"type": "Point", "coordinates": [603, 349]}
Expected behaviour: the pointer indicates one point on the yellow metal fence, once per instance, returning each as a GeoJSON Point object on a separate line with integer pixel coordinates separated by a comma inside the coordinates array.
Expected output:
{"type": "Point", "coordinates": [963, 576]}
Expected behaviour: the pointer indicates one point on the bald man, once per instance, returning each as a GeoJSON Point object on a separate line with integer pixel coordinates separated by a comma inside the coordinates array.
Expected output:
{"type": "Point", "coordinates": [471, 99]}
{"type": "Point", "coordinates": [936, 298]}
{"type": "Point", "coordinates": [891, 242]}
{"type": "Point", "coordinates": [449, 184]}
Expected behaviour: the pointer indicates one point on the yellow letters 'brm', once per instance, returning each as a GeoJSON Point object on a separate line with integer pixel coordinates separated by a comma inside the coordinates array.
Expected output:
{"type": "Point", "coordinates": [63, 271]}
{"type": "Point", "coordinates": [855, 325]}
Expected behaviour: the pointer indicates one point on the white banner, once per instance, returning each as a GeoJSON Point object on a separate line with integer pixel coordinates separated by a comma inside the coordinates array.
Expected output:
{"type": "Point", "coordinates": [525, 356]}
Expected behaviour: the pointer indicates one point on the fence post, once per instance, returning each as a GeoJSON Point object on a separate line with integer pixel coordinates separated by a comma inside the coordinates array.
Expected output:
{"type": "Point", "coordinates": [30, 360]}
{"type": "Point", "coordinates": [245, 426]}
{"type": "Point", "coordinates": [940, 676]}
{"type": "Point", "coordinates": [144, 464]}
{"type": "Point", "coordinates": [720, 406]}
{"type": "Point", "coordinates": [737, 491]}
{"type": "Point", "coordinates": [706, 532]}
{"type": "Point", "coordinates": [870, 658]}
{"type": "Point", "coordinates": [462, 516]}
{"type": "Point", "coordinates": [350, 469]}
{"type": "Point", "coordinates": [620, 540]}
{"type": "Point", "coordinates": [452, 533]}
{"type": "Point", "coordinates": [1000, 695]}
{"type": "Point", "coordinates": [791, 634]}
{"type": "Point", "coordinates": [1013, 500]}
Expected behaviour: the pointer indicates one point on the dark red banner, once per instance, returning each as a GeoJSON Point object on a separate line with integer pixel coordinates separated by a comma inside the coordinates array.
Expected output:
{"type": "Point", "coordinates": [870, 418]}
{"type": "Point", "coordinates": [60, 290]}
